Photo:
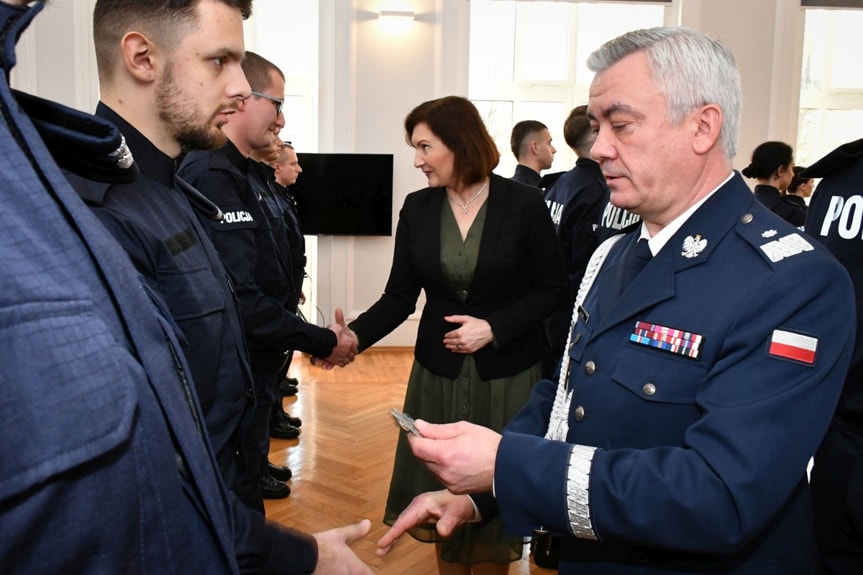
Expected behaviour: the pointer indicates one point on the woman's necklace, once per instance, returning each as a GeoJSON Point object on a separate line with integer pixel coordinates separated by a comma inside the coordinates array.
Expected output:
{"type": "Point", "coordinates": [466, 205]}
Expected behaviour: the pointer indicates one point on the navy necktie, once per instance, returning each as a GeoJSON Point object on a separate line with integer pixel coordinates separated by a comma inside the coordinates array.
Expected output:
{"type": "Point", "coordinates": [634, 261]}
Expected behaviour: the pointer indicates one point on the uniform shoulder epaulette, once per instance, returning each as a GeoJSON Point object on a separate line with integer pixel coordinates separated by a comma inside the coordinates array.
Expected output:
{"type": "Point", "coordinates": [197, 162]}
{"type": "Point", "coordinates": [772, 238]}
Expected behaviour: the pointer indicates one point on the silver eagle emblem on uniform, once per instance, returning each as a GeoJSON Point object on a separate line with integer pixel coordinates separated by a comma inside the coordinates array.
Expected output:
{"type": "Point", "coordinates": [122, 156]}
{"type": "Point", "coordinates": [692, 246]}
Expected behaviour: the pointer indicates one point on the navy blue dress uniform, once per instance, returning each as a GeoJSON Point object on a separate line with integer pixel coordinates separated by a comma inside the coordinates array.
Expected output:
{"type": "Point", "coordinates": [151, 216]}
{"type": "Point", "coordinates": [698, 396]}
{"type": "Point", "coordinates": [106, 467]}
{"type": "Point", "coordinates": [837, 476]}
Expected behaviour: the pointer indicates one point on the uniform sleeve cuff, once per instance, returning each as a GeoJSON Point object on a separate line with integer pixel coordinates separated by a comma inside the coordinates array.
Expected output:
{"type": "Point", "coordinates": [577, 491]}
{"type": "Point", "coordinates": [477, 516]}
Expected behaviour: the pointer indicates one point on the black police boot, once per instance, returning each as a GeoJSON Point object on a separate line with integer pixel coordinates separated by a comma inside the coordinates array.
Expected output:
{"type": "Point", "coordinates": [281, 429]}
{"type": "Point", "coordinates": [280, 472]}
{"type": "Point", "coordinates": [295, 421]}
{"type": "Point", "coordinates": [287, 389]}
{"type": "Point", "coordinates": [272, 488]}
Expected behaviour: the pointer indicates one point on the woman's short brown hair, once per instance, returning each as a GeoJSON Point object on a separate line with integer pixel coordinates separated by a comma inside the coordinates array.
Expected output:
{"type": "Point", "coordinates": [456, 121]}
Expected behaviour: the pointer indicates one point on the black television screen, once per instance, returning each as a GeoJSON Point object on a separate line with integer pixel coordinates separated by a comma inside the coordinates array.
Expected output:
{"type": "Point", "coordinates": [345, 194]}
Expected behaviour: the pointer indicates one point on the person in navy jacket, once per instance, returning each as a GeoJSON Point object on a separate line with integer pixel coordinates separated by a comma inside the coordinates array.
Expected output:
{"type": "Point", "coordinates": [695, 389]}
{"type": "Point", "coordinates": [150, 212]}
{"type": "Point", "coordinates": [837, 476]}
{"type": "Point", "coordinates": [106, 468]}
{"type": "Point", "coordinates": [254, 244]}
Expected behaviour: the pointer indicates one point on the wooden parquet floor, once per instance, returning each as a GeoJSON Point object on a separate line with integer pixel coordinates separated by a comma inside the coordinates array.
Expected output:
{"type": "Point", "coordinates": [343, 459]}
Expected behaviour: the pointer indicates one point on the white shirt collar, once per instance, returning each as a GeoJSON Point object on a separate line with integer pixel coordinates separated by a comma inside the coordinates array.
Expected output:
{"type": "Point", "coordinates": [661, 238]}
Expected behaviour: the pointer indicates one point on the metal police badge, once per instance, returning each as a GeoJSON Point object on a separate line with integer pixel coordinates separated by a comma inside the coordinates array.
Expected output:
{"type": "Point", "coordinates": [122, 156]}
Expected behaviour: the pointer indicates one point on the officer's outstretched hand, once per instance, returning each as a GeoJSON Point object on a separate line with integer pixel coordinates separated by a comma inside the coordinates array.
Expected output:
{"type": "Point", "coordinates": [461, 455]}
{"type": "Point", "coordinates": [446, 510]}
{"type": "Point", "coordinates": [335, 557]}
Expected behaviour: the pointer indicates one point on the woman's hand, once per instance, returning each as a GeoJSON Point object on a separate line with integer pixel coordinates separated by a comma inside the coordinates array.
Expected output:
{"type": "Point", "coordinates": [473, 335]}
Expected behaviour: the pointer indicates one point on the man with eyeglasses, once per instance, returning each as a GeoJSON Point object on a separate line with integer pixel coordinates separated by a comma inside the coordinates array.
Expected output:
{"type": "Point", "coordinates": [255, 247]}
{"type": "Point", "coordinates": [277, 102]}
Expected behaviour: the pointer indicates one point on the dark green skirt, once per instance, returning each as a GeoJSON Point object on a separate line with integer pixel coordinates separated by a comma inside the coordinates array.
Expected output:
{"type": "Point", "coordinates": [438, 399]}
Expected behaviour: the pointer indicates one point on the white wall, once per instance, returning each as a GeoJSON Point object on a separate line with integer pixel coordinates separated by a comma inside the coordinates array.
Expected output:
{"type": "Point", "coordinates": [368, 81]}
{"type": "Point", "coordinates": [766, 38]}
{"type": "Point", "coordinates": [390, 74]}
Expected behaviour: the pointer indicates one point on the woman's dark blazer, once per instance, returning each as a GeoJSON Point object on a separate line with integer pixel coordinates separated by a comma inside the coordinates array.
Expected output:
{"type": "Point", "coordinates": [519, 280]}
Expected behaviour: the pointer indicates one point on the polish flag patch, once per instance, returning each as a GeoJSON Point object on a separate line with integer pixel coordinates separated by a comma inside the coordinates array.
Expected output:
{"type": "Point", "coordinates": [793, 346]}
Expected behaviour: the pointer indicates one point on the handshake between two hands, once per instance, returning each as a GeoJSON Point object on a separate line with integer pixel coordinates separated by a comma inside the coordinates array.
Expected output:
{"type": "Point", "coordinates": [347, 346]}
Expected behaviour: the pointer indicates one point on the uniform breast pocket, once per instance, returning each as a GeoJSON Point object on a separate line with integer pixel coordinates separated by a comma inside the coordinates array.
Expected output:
{"type": "Point", "coordinates": [658, 376]}
{"type": "Point", "coordinates": [191, 293]}
{"type": "Point", "coordinates": [658, 399]}
{"type": "Point", "coordinates": [68, 391]}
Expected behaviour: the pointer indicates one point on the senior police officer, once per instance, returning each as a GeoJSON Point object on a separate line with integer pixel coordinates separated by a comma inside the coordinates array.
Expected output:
{"type": "Point", "coordinates": [692, 397]}
{"type": "Point", "coordinates": [837, 476]}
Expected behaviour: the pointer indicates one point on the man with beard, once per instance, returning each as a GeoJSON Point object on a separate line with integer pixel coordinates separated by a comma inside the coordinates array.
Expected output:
{"type": "Point", "coordinates": [170, 77]}
{"type": "Point", "coordinates": [104, 470]}
{"type": "Point", "coordinates": [255, 246]}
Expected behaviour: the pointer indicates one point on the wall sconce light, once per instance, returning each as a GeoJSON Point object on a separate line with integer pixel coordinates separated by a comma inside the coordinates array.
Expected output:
{"type": "Point", "coordinates": [401, 16]}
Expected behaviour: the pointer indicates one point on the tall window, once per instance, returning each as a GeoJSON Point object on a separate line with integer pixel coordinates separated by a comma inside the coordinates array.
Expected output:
{"type": "Point", "coordinates": [831, 85]}
{"type": "Point", "coordinates": [527, 62]}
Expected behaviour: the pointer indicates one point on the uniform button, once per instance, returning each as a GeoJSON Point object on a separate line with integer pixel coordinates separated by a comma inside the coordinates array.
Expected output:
{"type": "Point", "coordinates": [589, 368]}
{"type": "Point", "coordinates": [649, 389]}
{"type": "Point", "coordinates": [579, 413]}
{"type": "Point", "coordinates": [575, 340]}
{"type": "Point", "coordinates": [746, 218]}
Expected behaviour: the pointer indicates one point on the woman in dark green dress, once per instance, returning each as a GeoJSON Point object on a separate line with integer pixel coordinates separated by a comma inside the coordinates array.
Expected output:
{"type": "Point", "coordinates": [484, 250]}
